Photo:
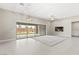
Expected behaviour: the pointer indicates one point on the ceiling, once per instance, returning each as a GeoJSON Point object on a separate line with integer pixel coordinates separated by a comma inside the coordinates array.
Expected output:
{"type": "Point", "coordinates": [44, 10]}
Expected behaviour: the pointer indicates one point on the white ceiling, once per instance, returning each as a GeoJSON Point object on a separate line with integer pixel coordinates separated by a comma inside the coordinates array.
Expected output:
{"type": "Point", "coordinates": [44, 10]}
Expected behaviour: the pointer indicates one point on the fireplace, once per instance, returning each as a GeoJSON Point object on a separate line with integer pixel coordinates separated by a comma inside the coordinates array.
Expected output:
{"type": "Point", "coordinates": [59, 29]}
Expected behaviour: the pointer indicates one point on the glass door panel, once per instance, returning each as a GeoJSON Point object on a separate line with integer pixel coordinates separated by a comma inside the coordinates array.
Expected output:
{"type": "Point", "coordinates": [42, 30]}
{"type": "Point", "coordinates": [21, 31]}
{"type": "Point", "coordinates": [31, 30]}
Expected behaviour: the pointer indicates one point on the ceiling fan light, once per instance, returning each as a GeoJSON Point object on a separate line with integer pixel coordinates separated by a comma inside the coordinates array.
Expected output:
{"type": "Point", "coordinates": [52, 18]}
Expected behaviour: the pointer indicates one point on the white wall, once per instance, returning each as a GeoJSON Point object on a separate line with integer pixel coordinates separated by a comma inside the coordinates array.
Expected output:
{"type": "Point", "coordinates": [75, 19]}
{"type": "Point", "coordinates": [7, 25]}
{"type": "Point", "coordinates": [22, 18]}
{"type": "Point", "coordinates": [66, 23]}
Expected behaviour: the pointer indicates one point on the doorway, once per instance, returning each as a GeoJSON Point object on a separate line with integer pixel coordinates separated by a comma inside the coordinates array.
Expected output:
{"type": "Point", "coordinates": [75, 29]}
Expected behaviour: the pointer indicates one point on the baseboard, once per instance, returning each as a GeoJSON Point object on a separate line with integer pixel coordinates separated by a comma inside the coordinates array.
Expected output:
{"type": "Point", "coordinates": [2, 41]}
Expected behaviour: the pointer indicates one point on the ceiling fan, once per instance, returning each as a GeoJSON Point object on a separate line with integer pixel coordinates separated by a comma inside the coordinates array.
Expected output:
{"type": "Point", "coordinates": [52, 18]}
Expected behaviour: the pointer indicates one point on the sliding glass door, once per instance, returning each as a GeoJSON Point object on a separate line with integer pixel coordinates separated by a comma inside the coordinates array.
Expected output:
{"type": "Point", "coordinates": [21, 31]}
{"type": "Point", "coordinates": [31, 30]}
{"type": "Point", "coordinates": [24, 30]}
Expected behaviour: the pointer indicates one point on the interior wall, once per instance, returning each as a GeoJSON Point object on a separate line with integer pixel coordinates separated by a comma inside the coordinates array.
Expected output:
{"type": "Point", "coordinates": [67, 24]}
{"type": "Point", "coordinates": [66, 28]}
{"type": "Point", "coordinates": [7, 25]}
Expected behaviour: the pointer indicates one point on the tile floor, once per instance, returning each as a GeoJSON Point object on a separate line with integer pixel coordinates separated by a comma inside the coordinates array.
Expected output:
{"type": "Point", "coordinates": [32, 47]}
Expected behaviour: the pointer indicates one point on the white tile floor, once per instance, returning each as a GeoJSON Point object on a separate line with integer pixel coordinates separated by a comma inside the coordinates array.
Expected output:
{"type": "Point", "coordinates": [33, 47]}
